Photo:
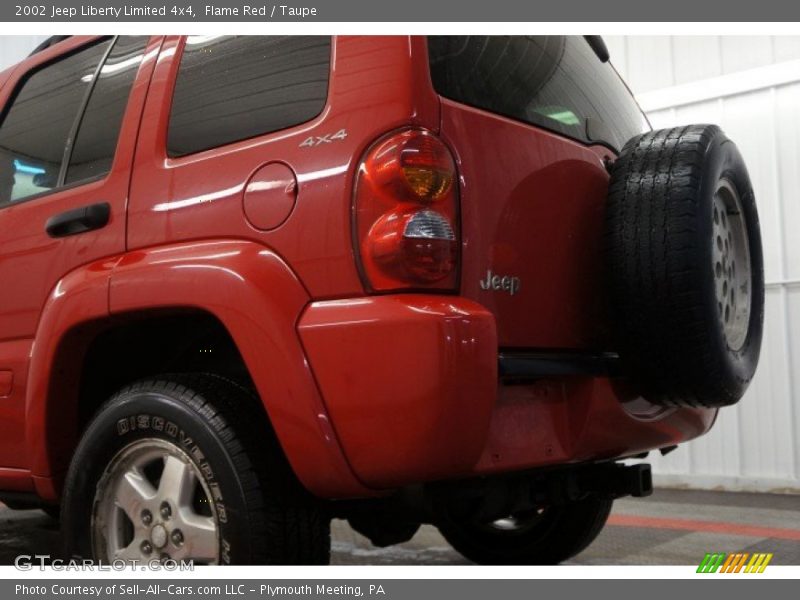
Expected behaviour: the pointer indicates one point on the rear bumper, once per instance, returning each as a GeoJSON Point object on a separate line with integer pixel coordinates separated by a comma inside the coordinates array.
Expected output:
{"type": "Point", "coordinates": [409, 382]}
{"type": "Point", "coordinates": [577, 419]}
{"type": "Point", "coordinates": [411, 385]}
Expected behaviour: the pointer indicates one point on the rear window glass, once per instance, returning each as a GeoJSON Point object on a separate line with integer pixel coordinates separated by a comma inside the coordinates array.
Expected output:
{"type": "Point", "coordinates": [234, 88]}
{"type": "Point", "coordinates": [554, 82]}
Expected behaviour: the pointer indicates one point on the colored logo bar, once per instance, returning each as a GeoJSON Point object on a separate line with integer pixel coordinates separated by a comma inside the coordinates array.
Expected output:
{"type": "Point", "coordinates": [738, 562]}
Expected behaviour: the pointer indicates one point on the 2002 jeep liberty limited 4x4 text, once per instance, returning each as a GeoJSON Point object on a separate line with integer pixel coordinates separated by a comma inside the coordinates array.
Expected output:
{"type": "Point", "coordinates": [251, 284]}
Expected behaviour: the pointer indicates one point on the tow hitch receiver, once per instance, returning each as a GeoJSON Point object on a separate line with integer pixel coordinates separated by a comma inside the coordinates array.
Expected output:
{"type": "Point", "coordinates": [616, 481]}
{"type": "Point", "coordinates": [493, 498]}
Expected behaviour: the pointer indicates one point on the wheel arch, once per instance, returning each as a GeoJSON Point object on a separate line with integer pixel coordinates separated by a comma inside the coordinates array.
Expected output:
{"type": "Point", "coordinates": [242, 288]}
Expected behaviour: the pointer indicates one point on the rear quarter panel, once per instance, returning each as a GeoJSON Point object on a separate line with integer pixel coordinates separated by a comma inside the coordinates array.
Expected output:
{"type": "Point", "coordinates": [533, 205]}
{"type": "Point", "coordinates": [375, 86]}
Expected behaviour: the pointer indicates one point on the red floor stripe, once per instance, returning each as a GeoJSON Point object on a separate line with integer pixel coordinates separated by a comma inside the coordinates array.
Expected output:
{"type": "Point", "coordinates": [705, 526]}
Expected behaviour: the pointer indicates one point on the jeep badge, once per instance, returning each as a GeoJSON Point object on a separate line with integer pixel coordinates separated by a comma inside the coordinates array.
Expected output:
{"type": "Point", "coordinates": [506, 283]}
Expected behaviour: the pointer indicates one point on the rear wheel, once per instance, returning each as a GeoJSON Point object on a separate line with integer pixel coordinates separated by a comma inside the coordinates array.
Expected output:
{"type": "Point", "coordinates": [180, 468]}
{"type": "Point", "coordinates": [543, 536]}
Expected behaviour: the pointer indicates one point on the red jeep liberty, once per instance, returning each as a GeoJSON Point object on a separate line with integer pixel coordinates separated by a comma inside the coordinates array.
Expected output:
{"type": "Point", "coordinates": [251, 284]}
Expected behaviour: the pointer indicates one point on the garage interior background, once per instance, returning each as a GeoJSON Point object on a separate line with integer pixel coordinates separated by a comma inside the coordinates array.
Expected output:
{"type": "Point", "coordinates": [750, 85]}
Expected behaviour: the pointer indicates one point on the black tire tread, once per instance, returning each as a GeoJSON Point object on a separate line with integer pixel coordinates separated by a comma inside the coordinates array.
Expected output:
{"type": "Point", "coordinates": [654, 277]}
{"type": "Point", "coordinates": [576, 525]}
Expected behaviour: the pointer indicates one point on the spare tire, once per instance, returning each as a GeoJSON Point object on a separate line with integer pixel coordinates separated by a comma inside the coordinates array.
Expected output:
{"type": "Point", "coordinates": [685, 266]}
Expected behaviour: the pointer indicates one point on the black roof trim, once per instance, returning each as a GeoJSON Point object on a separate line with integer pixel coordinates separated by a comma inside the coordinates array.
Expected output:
{"type": "Point", "coordinates": [51, 41]}
{"type": "Point", "coordinates": [599, 46]}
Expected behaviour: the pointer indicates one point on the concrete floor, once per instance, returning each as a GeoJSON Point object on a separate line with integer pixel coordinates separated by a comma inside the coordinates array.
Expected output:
{"type": "Point", "coordinates": [672, 527]}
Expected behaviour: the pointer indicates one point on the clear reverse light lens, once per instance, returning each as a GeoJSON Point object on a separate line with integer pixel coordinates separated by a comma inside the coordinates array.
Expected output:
{"type": "Point", "coordinates": [430, 225]}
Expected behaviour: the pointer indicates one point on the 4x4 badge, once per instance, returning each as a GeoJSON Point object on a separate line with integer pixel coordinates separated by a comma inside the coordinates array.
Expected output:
{"type": "Point", "coordinates": [327, 138]}
{"type": "Point", "coordinates": [506, 283]}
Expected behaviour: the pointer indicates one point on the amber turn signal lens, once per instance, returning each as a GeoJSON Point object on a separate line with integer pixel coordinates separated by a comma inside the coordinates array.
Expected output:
{"type": "Point", "coordinates": [427, 183]}
{"type": "Point", "coordinates": [427, 166]}
{"type": "Point", "coordinates": [412, 165]}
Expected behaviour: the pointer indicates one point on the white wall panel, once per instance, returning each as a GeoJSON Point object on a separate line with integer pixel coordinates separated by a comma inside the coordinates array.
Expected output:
{"type": "Point", "coordinates": [648, 62]}
{"type": "Point", "coordinates": [749, 120]}
{"type": "Point", "coordinates": [657, 62]}
{"type": "Point", "coordinates": [13, 48]}
{"type": "Point", "coordinates": [755, 445]}
{"type": "Point", "coordinates": [792, 324]}
{"type": "Point", "coordinates": [741, 52]}
{"type": "Point", "coordinates": [787, 143]}
{"type": "Point", "coordinates": [687, 48]}
{"type": "Point", "coordinates": [786, 47]}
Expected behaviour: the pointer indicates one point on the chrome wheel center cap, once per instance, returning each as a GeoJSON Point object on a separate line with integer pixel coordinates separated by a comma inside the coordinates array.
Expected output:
{"type": "Point", "coordinates": [158, 535]}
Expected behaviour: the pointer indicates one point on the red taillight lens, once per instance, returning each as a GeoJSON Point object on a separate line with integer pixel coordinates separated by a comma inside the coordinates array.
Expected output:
{"type": "Point", "coordinates": [406, 213]}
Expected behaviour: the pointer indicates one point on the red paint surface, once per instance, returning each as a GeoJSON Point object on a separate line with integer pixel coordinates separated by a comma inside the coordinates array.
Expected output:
{"type": "Point", "coordinates": [532, 207]}
{"type": "Point", "coordinates": [364, 393]}
{"type": "Point", "coordinates": [270, 196]}
{"type": "Point", "coordinates": [409, 382]}
{"type": "Point", "coordinates": [575, 420]}
{"type": "Point", "coordinates": [6, 383]}
{"type": "Point", "coordinates": [258, 299]}
{"type": "Point", "coordinates": [377, 84]}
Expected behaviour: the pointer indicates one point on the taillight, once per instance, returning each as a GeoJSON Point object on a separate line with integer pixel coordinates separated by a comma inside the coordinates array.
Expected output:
{"type": "Point", "coordinates": [406, 213]}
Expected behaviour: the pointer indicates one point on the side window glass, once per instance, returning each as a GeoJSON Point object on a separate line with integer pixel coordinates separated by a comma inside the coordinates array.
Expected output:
{"type": "Point", "coordinates": [36, 126]}
{"type": "Point", "coordinates": [234, 88]}
{"type": "Point", "coordinates": [98, 133]}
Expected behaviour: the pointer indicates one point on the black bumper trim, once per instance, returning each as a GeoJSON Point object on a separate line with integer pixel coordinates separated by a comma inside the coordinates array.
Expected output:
{"type": "Point", "coordinates": [537, 365]}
